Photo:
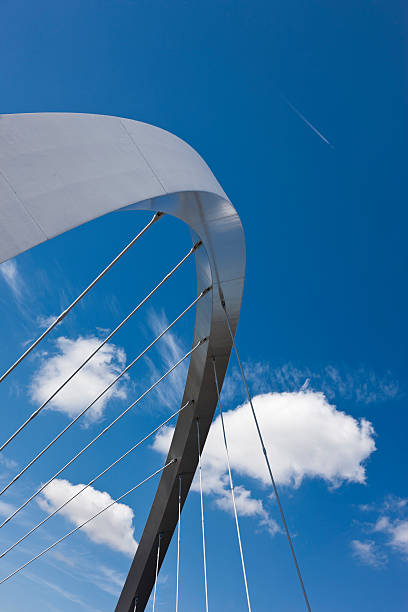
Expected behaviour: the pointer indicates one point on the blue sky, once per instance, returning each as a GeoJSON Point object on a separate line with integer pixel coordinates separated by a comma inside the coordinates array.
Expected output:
{"type": "Point", "coordinates": [323, 328]}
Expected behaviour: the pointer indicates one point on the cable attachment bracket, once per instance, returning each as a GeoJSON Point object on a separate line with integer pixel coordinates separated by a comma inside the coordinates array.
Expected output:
{"type": "Point", "coordinates": [205, 291]}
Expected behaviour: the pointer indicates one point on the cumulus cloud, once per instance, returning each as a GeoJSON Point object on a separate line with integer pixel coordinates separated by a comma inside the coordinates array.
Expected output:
{"type": "Point", "coordinates": [87, 384]}
{"type": "Point", "coordinates": [368, 553]}
{"type": "Point", "coordinates": [305, 435]}
{"type": "Point", "coordinates": [113, 528]}
{"type": "Point", "coordinates": [170, 350]}
{"type": "Point", "coordinates": [11, 275]}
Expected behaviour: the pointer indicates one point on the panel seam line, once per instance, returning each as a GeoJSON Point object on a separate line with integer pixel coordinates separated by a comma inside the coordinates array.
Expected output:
{"type": "Point", "coordinates": [22, 204]}
{"type": "Point", "coordinates": [144, 157]}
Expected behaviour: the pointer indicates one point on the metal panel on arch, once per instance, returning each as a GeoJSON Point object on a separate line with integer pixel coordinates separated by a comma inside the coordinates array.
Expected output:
{"type": "Point", "coordinates": [60, 170]}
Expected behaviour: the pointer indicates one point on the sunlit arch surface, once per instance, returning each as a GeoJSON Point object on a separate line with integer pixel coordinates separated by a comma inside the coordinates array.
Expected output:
{"type": "Point", "coordinates": [60, 170]}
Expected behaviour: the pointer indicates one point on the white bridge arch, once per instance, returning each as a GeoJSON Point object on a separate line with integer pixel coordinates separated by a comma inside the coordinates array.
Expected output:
{"type": "Point", "coordinates": [60, 170]}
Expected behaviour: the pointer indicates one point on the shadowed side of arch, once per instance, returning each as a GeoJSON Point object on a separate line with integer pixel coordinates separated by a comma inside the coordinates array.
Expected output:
{"type": "Point", "coordinates": [60, 170]}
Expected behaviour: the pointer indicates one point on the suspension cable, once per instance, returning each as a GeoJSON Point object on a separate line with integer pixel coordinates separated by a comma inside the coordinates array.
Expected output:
{"type": "Point", "coordinates": [232, 488]}
{"type": "Point", "coordinates": [266, 459]}
{"type": "Point", "coordinates": [195, 347]}
{"type": "Point", "coordinates": [178, 543]}
{"type": "Point", "coordinates": [75, 419]}
{"type": "Point", "coordinates": [91, 482]}
{"type": "Point", "coordinates": [75, 302]}
{"type": "Point", "coordinates": [121, 324]}
{"type": "Point", "coordinates": [157, 571]}
{"type": "Point", "coordinates": [202, 514]}
{"type": "Point", "coordinates": [64, 537]}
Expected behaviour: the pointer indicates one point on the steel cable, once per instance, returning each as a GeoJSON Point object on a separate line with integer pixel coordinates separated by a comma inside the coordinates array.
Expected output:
{"type": "Point", "coordinates": [75, 302]}
{"type": "Point", "coordinates": [195, 347]}
{"type": "Point", "coordinates": [121, 324]}
{"type": "Point", "coordinates": [64, 537]}
{"type": "Point", "coordinates": [91, 482]}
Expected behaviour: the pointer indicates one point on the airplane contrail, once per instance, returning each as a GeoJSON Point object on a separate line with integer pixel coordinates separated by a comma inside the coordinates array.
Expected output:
{"type": "Point", "coordinates": [312, 127]}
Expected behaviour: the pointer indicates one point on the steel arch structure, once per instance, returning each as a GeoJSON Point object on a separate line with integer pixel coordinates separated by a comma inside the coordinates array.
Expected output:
{"type": "Point", "coordinates": [60, 170]}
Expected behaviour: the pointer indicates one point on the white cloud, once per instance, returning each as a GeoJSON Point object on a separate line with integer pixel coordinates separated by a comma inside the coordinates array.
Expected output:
{"type": "Point", "coordinates": [399, 540]}
{"type": "Point", "coordinates": [397, 529]}
{"type": "Point", "coordinates": [361, 385]}
{"type": "Point", "coordinates": [45, 321]}
{"type": "Point", "coordinates": [368, 552]}
{"type": "Point", "coordinates": [11, 276]}
{"type": "Point", "coordinates": [57, 554]}
{"type": "Point", "coordinates": [6, 509]}
{"type": "Point", "coordinates": [9, 464]}
{"type": "Point", "coordinates": [246, 504]}
{"type": "Point", "coordinates": [170, 350]}
{"type": "Point", "coordinates": [392, 522]}
{"type": "Point", "coordinates": [87, 384]}
{"type": "Point", "coordinates": [86, 568]}
{"type": "Point", "coordinates": [105, 578]}
{"type": "Point", "coordinates": [6, 466]}
{"type": "Point", "coordinates": [59, 590]}
{"type": "Point", "coordinates": [113, 528]}
{"type": "Point", "coordinates": [395, 504]}
{"type": "Point", "coordinates": [115, 577]}
{"type": "Point", "coordinates": [306, 437]}
{"type": "Point", "coordinates": [391, 504]}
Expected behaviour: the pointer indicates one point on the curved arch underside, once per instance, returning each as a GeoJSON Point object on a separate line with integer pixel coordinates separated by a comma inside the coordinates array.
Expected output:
{"type": "Point", "coordinates": [60, 170]}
